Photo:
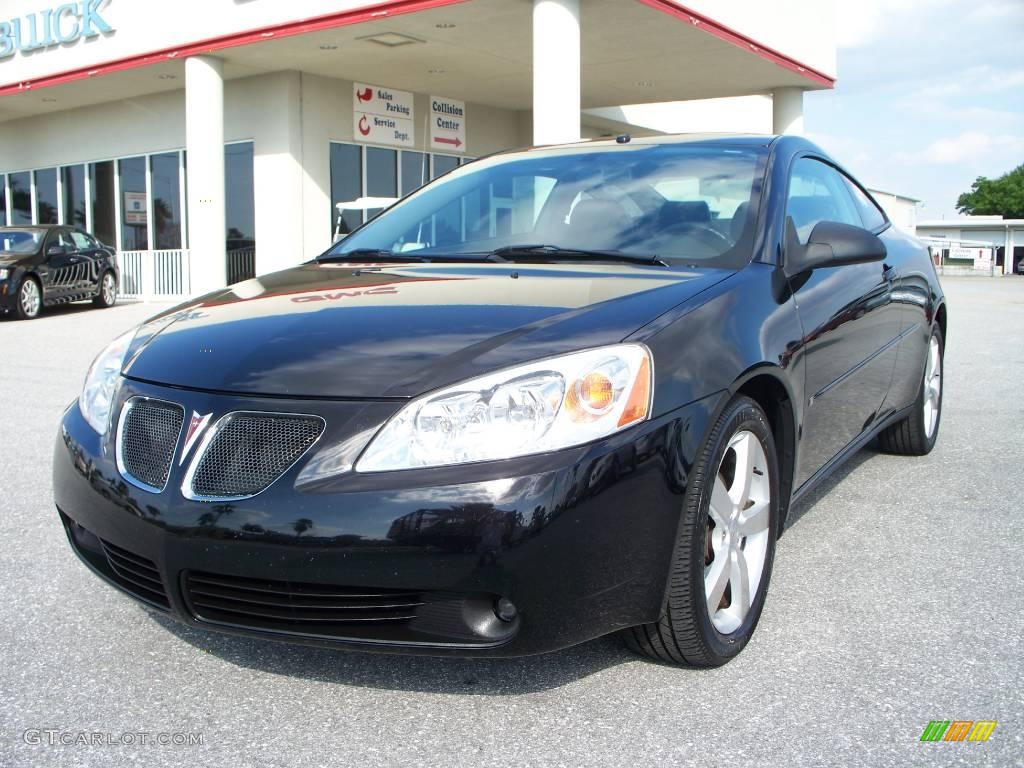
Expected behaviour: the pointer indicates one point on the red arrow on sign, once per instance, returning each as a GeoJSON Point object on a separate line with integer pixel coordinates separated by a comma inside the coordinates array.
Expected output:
{"type": "Point", "coordinates": [364, 126]}
{"type": "Point", "coordinates": [365, 95]}
{"type": "Point", "coordinates": [454, 142]}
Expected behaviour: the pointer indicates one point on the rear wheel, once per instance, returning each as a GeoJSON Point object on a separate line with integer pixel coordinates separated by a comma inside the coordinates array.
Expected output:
{"type": "Point", "coordinates": [726, 546]}
{"type": "Point", "coordinates": [915, 434]}
{"type": "Point", "coordinates": [107, 296]}
{"type": "Point", "coordinates": [30, 299]}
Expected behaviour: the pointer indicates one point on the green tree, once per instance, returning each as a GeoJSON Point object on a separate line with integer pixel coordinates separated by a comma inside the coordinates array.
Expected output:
{"type": "Point", "coordinates": [995, 197]}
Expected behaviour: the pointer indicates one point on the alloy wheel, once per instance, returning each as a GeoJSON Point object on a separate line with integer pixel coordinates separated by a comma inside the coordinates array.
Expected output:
{"type": "Point", "coordinates": [109, 289]}
{"type": "Point", "coordinates": [736, 542]}
{"type": "Point", "coordinates": [29, 298]}
{"type": "Point", "coordinates": [932, 387]}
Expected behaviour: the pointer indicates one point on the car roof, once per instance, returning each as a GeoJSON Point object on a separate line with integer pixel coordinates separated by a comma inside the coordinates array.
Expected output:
{"type": "Point", "coordinates": [30, 227]}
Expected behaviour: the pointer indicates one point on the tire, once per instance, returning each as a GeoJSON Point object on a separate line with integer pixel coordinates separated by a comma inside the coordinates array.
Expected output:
{"type": "Point", "coordinates": [30, 299]}
{"type": "Point", "coordinates": [107, 296]}
{"type": "Point", "coordinates": [712, 542]}
{"type": "Point", "coordinates": [916, 433]}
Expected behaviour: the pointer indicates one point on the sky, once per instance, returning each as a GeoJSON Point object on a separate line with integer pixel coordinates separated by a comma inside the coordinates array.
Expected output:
{"type": "Point", "coordinates": [929, 96]}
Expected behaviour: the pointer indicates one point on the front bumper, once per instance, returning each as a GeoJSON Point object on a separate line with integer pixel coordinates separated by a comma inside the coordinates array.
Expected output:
{"type": "Point", "coordinates": [579, 540]}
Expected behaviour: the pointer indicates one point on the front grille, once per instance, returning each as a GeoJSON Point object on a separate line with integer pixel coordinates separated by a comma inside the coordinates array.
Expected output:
{"type": "Point", "coordinates": [147, 436]}
{"type": "Point", "coordinates": [249, 451]}
{"type": "Point", "coordinates": [135, 574]}
{"type": "Point", "coordinates": [310, 609]}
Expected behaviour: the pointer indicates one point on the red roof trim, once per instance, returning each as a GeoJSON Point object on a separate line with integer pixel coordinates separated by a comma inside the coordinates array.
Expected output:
{"type": "Point", "coordinates": [740, 40]}
{"type": "Point", "coordinates": [289, 29]}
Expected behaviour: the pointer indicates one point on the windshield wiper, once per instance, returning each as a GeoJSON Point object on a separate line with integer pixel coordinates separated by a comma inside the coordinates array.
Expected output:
{"type": "Point", "coordinates": [514, 252]}
{"type": "Point", "coordinates": [371, 254]}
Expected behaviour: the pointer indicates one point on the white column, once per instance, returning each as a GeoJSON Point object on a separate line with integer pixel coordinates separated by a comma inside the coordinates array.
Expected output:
{"type": "Point", "coordinates": [556, 71]}
{"type": "Point", "coordinates": [788, 111]}
{"type": "Point", "coordinates": [204, 142]}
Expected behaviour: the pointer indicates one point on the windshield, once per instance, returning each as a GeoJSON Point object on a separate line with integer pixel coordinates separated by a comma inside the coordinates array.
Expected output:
{"type": "Point", "coordinates": [19, 240]}
{"type": "Point", "coordinates": [689, 203]}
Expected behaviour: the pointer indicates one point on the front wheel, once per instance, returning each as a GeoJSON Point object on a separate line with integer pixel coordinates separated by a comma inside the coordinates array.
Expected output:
{"type": "Point", "coordinates": [916, 433]}
{"type": "Point", "coordinates": [30, 299]}
{"type": "Point", "coordinates": [108, 291]}
{"type": "Point", "coordinates": [726, 545]}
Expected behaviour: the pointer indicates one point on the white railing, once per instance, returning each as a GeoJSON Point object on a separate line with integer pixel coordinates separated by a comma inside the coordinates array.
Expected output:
{"type": "Point", "coordinates": [241, 265]}
{"type": "Point", "coordinates": [154, 274]}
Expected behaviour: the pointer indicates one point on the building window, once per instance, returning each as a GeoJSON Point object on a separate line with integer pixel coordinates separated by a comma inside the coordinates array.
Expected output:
{"type": "Point", "coordinates": [21, 198]}
{"type": "Point", "coordinates": [240, 211]}
{"type": "Point", "coordinates": [165, 183]}
{"type": "Point", "coordinates": [72, 179]}
{"type": "Point", "coordinates": [443, 164]}
{"type": "Point", "coordinates": [3, 200]}
{"type": "Point", "coordinates": [415, 171]}
{"type": "Point", "coordinates": [134, 216]}
{"type": "Point", "coordinates": [346, 183]}
{"type": "Point", "coordinates": [104, 215]}
{"type": "Point", "coordinates": [381, 175]}
{"type": "Point", "coordinates": [46, 196]}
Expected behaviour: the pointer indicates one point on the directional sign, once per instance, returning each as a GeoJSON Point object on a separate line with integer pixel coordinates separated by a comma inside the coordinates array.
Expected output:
{"type": "Point", "coordinates": [382, 115]}
{"type": "Point", "coordinates": [447, 125]}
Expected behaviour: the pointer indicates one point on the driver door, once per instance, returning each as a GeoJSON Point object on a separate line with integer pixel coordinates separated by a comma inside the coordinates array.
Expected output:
{"type": "Point", "coordinates": [850, 322]}
{"type": "Point", "coordinates": [59, 263]}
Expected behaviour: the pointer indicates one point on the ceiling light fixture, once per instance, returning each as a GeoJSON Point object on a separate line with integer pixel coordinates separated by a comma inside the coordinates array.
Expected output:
{"type": "Point", "coordinates": [167, 77]}
{"type": "Point", "coordinates": [391, 39]}
{"type": "Point", "coordinates": [328, 47]}
{"type": "Point", "coordinates": [445, 25]}
{"type": "Point", "coordinates": [645, 83]}
{"type": "Point", "coordinates": [436, 71]}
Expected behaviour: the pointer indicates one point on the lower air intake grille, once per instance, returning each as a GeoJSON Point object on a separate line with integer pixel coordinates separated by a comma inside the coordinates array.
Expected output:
{"type": "Point", "coordinates": [135, 574]}
{"type": "Point", "coordinates": [249, 451]}
{"type": "Point", "coordinates": [314, 609]}
{"type": "Point", "coordinates": [147, 436]}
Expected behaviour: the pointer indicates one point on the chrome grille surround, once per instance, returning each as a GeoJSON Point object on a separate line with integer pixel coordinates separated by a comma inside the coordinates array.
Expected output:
{"type": "Point", "coordinates": [144, 450]}
{"type": "Point", "coordinates": [245, 452]}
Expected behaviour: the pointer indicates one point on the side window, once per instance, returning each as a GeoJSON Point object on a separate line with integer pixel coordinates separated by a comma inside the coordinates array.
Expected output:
{"type": "Point", "coordinates": [818, 192]}
{"type": "Point", "coordinates": [81, 241]}
{"type": "Point", "coordinates": [57, 237]}
{"type": "Point", "coordinates": [870, 213]}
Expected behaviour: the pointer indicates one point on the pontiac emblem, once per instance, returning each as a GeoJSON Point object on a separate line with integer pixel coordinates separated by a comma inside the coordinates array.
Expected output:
{"type": "Point", "coordinates": [195, 428]}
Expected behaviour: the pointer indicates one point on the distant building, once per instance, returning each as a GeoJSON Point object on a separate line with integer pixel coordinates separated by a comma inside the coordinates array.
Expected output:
{"type": "Point", "coordinates": [1005, 236]}
{"type": "Point", "coordinates": [901, 210]}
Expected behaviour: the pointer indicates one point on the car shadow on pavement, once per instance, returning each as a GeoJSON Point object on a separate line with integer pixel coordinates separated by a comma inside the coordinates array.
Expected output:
{"type": "Point", "coordinates": [423, 674]}
{"type": "Point", "coordinates": [58, 310]}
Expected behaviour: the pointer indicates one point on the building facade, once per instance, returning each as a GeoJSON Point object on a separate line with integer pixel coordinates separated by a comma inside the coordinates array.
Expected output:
{"type": "Point", "coordinates": [210, 141]}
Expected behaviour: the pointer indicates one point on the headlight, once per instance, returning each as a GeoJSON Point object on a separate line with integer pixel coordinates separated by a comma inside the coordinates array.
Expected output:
{"type": "Point", "coordinates": [101, 382]}
{"type": "Point", "coordinates": [533, 408]}
{"type": "Point", "coordinates": [4, 273]}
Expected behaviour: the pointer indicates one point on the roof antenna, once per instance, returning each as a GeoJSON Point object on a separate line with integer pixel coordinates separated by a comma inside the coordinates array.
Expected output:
{"type": "Point", "coordinates": [622, 138]}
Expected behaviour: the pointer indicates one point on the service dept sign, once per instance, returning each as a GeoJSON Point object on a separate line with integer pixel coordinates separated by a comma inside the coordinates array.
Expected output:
{"type": "Point", "coordinates": [382, 115]}
{"type": "Point", "coordinates": [58, 25]}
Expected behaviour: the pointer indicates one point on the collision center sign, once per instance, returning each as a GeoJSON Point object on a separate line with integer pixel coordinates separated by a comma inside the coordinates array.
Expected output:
{"type": "Point", "coordinates": [382, 115]}
{"type": "Point", "coordinates": [447, 125]}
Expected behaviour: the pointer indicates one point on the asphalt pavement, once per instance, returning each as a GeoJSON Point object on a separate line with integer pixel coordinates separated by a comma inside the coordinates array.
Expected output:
{"type": "Point", "coordinates": [896, 600]}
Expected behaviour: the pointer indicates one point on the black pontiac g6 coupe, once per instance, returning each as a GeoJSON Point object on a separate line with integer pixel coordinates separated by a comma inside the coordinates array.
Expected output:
{"type": "Point", "coordinates": [554, 394]}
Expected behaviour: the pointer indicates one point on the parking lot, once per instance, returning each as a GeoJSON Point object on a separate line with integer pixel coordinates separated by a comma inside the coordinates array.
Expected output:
{"type": "Point", "coordinates": [896, 600]}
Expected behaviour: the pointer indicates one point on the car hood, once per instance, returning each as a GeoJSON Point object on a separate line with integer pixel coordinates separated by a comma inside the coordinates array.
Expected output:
{"type": "Point", "coordinates": [339, 331]}
{"type": "Point", "coordinates": [12, 259]}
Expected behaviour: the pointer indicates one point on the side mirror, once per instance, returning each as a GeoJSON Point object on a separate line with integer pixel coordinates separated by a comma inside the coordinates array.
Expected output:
{"type": "Point", "coordinates": [831, 244]}
{"type": "Point", "coordinates": [55, 250]}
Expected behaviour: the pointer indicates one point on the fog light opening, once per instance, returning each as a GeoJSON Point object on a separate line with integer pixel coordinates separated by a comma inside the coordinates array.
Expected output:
{"type": "Point", "coordinates": [505, 609]}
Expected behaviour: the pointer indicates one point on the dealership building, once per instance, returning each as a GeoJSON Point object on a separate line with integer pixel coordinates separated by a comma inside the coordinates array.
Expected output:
{"type": "Point", "coordinates": [211, 141]}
